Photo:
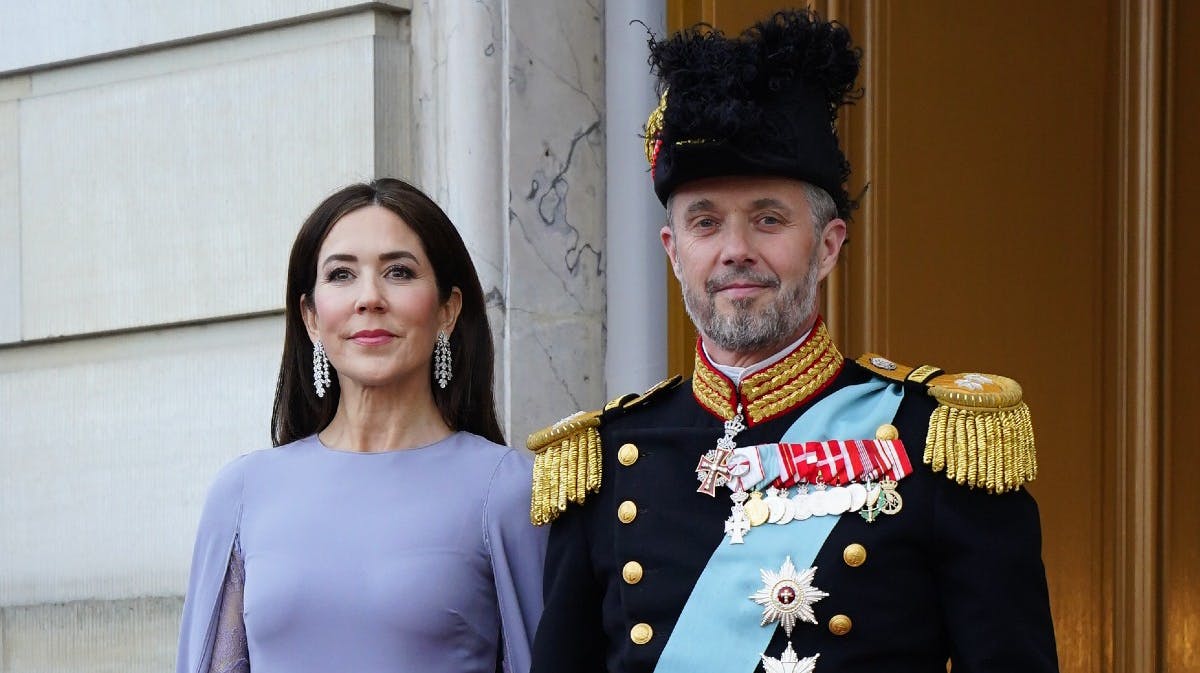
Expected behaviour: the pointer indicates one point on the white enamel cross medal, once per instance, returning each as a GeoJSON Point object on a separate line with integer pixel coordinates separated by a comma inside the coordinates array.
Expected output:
{"type": "Point", "coordinates": [789, 662]}
{"type": "Point", "coordinates": [738, 524]}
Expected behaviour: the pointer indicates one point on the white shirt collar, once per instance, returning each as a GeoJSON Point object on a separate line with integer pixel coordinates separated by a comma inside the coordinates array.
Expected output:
{"type": "Point", "coordinates": [736, 374]}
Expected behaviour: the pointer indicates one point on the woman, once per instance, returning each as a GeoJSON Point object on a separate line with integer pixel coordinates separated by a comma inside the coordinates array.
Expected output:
{"type": "Point", "coordinates": [388, 530]}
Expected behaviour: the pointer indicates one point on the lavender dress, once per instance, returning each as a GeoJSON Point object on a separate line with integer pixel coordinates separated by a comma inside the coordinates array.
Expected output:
{"type": "Point", "coordinates": [312, 559]}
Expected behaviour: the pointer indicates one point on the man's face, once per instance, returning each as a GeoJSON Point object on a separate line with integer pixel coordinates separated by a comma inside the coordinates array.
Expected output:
{"type": "Point", "coordinates": [750, 262]}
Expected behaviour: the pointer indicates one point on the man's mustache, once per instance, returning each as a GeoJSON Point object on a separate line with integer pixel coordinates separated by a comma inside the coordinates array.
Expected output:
{"type": "Point", "coordinates": [715, 284]}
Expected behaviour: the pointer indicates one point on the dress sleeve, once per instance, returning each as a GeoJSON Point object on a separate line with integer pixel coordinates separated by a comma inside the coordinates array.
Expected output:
{"type": "Point", "coordinates": [517, 551]}
{"type": "Point", "coordinates": [231, 653]}
{"type": "Point", "coordinates": [210, 564]}
{"type": "Point", "coordinates": [992, 581]}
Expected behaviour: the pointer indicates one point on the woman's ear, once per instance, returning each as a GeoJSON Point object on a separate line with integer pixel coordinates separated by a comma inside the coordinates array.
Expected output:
{"type": "Point", "coordinates": [309, 315]}
{"type": "Point", "coordinates": [448, 311]}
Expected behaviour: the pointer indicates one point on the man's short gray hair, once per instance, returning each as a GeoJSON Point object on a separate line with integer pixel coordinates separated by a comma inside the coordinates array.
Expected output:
{"type": "Point", "coordinates": [820, 205]}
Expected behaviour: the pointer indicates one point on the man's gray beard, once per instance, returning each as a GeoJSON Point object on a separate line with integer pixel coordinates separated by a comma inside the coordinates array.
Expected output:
{"type": "Point", "coordinates": [744, 331]}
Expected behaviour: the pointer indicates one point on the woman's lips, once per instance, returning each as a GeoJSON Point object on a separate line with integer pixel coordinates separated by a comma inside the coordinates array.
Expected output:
{"type": "Point", "coordinates": [372, 337]}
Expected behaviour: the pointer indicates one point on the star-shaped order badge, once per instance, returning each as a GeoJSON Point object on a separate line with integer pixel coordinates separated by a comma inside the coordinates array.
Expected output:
{"type": "Point", "coordinates": [789, 662]}
{"type": "Point", "coordinates": [787, 596]}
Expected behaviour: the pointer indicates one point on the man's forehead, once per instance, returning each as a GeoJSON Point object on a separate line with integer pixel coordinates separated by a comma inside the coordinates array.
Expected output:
{"type": "Point", "coordinates": [739, 192]}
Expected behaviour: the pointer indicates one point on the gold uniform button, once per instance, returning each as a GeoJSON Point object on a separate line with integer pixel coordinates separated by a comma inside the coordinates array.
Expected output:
{"type": "Point", "coordinates": [632, 572]}
{"type": "Point", "coordinates": [627, 511]}
{"type": "Point", "coordinates": [627, 454]}
{"type": "Point", "coordinates": [854, 555]}
{"type": "Point", "coordinates": [641, 634]}
{"type": "Point", "coordinates": [887, 431]}
{"type": "Point", "coordinates": [839, 625]}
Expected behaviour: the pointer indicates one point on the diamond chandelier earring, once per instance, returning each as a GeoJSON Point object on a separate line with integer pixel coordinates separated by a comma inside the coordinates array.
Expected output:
{"type": "Point", "coordinates": [441, 360]}
{"type": "Point", "coordinates": [320, 368]}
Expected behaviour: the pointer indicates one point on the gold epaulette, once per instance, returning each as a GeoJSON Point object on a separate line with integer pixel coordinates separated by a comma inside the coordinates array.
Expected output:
{"type": "Point", "coordinates": [567, 460]}
{"type": "Point", "coordinates": [980, 434]}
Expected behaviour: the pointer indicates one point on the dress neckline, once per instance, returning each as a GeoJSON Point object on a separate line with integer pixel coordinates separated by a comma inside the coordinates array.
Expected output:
{"type": "Point", "coordinates": [315, 440]}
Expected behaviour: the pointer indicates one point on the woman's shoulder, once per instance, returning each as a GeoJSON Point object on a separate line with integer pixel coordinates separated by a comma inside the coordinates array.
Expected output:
{"type": "Point", "coordinates": [503, 460]}
{"type": "Point", "coordinates": [231, 478]}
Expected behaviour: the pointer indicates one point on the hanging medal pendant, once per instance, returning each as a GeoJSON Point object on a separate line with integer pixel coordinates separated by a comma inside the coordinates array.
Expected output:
{"type": "Point", "coordinates": [789, 662]}
{"type": "Point", "coordinates": [882, 498]}
{"type": "Point", "coordinates": [737, 525]}
{"type": "Point", "coordinates": [892, 502]}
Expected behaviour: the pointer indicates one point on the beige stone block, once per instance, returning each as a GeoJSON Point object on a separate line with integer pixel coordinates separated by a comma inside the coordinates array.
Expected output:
{"type": "Point", "coordinates": [17, 86]}
{"type": "Point", "coordinates": [53, 31]}
{"type": "Point", "coordinates": [10, 224]}
{"type": "Point", "coordinates": [175, 197]}
{"type": "Point", "coordinates": [107, 449]}
{"type": "Point", "coordinates": [127, 636]}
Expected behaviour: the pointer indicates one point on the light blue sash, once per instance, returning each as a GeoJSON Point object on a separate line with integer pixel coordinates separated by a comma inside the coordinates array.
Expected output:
{"type": "Point", "coordinates": [718, 629]}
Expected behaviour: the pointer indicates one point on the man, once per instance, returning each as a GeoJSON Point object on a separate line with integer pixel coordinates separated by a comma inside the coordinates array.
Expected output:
{"type": "Point", "coordinates": [787, 510]}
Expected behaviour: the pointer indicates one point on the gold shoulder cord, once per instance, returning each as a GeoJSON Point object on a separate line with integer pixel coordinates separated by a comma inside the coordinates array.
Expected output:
{"type": "Point", "coordinates": [981, 433]}
{"type": "Point", "coordinates": [566, 465]}
{"type": "Point", "coordinates": [568, 459]}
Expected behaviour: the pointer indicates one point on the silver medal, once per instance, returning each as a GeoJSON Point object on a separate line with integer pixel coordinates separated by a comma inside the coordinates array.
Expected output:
{"type": "Point", "coordinates": [837, 500]}
{"type": "Point", "coordinates": [800, 508]}
{"type": "Point", "coordinates": [776, 505]}
{"type": "Point", "coordinates": [858, 496]}
{"type": "Point", "coordinates": [816, 503]}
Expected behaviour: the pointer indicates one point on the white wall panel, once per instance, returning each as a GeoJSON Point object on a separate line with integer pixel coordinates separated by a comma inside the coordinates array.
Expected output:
{"type": "Point", "coordinates": [107, 447]}
{"type": "Point", "coordinates": [10, 225]}
{"type": "Point", "coordinates": [132, 636]}
{"type": "Point", "coordinates": [175, 197]}
{"type": "Point", "coordinates": [39, 32]}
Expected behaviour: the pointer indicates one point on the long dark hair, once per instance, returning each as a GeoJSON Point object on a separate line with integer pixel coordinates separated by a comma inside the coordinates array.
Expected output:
{"type": "Point", "coordinates": [467, 403]}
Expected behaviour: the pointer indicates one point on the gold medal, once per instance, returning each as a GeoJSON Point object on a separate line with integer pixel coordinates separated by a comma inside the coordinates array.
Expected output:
{"type": "Point", "coordinates": [892, 502]}
{"type": "Point", "coordinates": [756, 510]}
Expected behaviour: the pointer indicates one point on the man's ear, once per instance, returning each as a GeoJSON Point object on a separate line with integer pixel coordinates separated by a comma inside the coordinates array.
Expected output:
{"type": "Point", "coordinates": [668, 241]}
{"type": "Point", "coordinates": [832, 238]}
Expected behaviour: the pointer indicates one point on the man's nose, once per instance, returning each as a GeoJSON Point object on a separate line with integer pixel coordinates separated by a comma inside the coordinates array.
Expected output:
{"type": "Point", "coordinates": [738, 246]}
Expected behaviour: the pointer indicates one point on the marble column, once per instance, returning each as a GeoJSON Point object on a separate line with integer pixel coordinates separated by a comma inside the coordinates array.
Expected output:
{"type": "Point", "coordinates": [509, 112]}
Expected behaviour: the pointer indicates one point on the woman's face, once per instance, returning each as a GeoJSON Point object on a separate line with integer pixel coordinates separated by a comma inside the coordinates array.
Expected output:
{"type": "Point", "coordinates": [375, 302]}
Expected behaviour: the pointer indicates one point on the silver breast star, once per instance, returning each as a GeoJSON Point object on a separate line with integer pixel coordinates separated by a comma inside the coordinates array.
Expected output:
{"type": "Point", "coordinates": [787, 596]}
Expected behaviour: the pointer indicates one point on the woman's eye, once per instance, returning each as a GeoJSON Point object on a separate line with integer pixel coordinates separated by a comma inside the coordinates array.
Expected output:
{"type": "Point", "coordinates": [400, 272]}
{"type": "Point", "coordinates": [338, 274]}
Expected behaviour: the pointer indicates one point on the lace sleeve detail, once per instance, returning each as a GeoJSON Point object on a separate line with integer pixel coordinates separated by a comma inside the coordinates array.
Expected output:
{"type": "Point", "coordinates": [231, 653]}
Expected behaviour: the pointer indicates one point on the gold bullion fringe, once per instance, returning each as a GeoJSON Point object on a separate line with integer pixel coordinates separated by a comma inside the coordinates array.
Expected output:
{"type": "Point", "coordinates": [563, 472]}
{"type": "Point", "coordinates": [983, 448]}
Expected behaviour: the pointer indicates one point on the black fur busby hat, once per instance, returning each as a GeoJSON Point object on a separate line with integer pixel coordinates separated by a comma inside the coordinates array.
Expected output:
{"type": "Point", "coordinates": [762, 103]}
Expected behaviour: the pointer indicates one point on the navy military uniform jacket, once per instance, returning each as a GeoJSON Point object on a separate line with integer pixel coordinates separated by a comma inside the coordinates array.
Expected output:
{"type": "Point", "coordinates": [955, 575]}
